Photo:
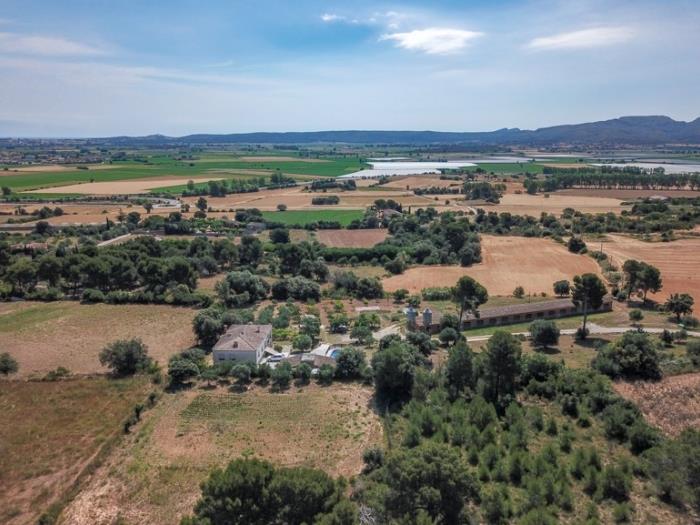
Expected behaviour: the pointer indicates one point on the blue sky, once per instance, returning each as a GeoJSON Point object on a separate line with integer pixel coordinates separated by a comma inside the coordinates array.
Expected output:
{"type": "Point", "coordinates": [101, 67]}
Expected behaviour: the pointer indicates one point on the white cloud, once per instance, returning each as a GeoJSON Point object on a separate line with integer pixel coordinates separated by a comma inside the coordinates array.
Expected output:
{"type": "Point", "coordinates": [15, 43]}
{"type": "Point", "coordinates": [433, 40]}
{"type": "Point", "coordinates": [583, 39]}
{"type": "Point", "coordinates": [331, 17]}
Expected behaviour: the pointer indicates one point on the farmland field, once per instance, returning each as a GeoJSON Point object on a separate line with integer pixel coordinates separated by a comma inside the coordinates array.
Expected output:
{"type": "Point", "coordinates": [43, 336]}
{"type": "Point", "coordinates": [351, 238]}
{"type": "Point", "coordinates": [509, 167]}
{"type": "Point", "coordinates": [43, 455]}
{"type": "Point", "coordinates": [296, 199]}
{"type": "Point", "coordinates": [534, 205]}
{"type": "Point", "coordinates": [79, 213]}
{"type": "Point", "coordinates": [125, 187]}
{"type": "Point", "coordinates": [155, 477]}
{"type": "Point", "coordinates": [303, 217]}
{"type": "Point", "coordinates": [532, 263]}
{"type": "Point", "coordinates": [627, 194]}
{"type": "Point", "coordinates": [679, 261]}
{"type": "Point", "coordinates": [164, 166]}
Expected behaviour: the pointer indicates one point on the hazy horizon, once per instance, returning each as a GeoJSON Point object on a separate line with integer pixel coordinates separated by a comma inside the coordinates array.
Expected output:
{"type": "Point", "coordinates": [101, 69]}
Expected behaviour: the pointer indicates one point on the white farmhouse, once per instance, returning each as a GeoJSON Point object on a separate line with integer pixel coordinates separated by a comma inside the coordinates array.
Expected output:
{"type": "Point", "coordinates": [243, 343]}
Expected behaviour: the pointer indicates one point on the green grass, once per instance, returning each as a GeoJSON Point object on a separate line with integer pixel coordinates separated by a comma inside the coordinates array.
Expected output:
{"type": "Point", "coordinates": [511, 167]}
{"type": "Point", "coordinates": [20, 319]}
{"type": "Point", "coordinates": [303, 217]}
{"type": "Point", "coordinates": [161, 166]}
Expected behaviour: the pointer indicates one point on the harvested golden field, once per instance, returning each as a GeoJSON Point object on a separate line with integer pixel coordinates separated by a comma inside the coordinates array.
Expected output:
{"type": "Point", "coordinates": [534, 205]}
{"type": "Point", "coordinates": [671, 404]}
{"type": "Point", "coordinates": [82, 213]}
{"type": "Point", "coordinates": [679, 261]}
{"type": "Point", "coordinates": [155, 478]}
{"type": "Point", "coordinates": [125, 187]}
{"type": "Point", "coordinates": [351, 238]}
{"type": "Point", "coordinates": [627, 194]}
{"type": "Point", "coordinates": [43, 336]}
{"type": "Point", "coordinates": [51, 432]}
{"type": "Point", "coordinates": [535, 264]}
{"type": "Point", "coordinates": [296, 199]}
{"type": "Point", "coordinates": [422, 181]}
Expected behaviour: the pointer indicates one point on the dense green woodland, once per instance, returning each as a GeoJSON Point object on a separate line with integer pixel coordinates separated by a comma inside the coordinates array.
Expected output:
{"type": "Point", "coordinates": [494, 437]}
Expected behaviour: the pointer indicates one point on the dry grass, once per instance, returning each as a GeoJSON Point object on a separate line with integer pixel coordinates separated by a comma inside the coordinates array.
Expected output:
{"type": "Point", "coordinates": [50, 433]}
{"type": "Point", "coordinates": [534, 264]}
{"type": "Point", "coordinates": [296, 199]}
{"type": "Point", "coordinates": [81, 213]}
{"type": "Point", "coordinates": [43, 336]}
{"type": "Point", "coordinates": [671, 404]}
{"type": "Point", "coordinates": [155, 478]}
{"type": "Point", "coordinates": [534, 205]}
{"type": "Point", "coordinates": [423, 181]}
{"type": "Point", "coordinates": [627, 194]}
{"type": "Point", "coordinates": [351, 238]}
{"type": "Point", "coordinates": [678, 261]}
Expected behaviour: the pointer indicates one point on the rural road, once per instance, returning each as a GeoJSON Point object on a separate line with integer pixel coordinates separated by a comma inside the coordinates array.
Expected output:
{"type": "Point", "coordinates": [594, 329]}
{"type": "Point", "coordinates": [114, 240]}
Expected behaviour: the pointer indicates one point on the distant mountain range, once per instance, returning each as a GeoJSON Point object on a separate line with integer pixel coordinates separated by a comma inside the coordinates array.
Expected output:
{"type": "Point", "coordinates": [635, 131]}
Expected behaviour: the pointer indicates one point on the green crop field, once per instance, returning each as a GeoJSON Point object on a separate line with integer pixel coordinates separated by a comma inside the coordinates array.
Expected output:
{"type": "Point", "coordinates": [511, 167]}
{"type": "Point", "coordinates": [163, 166]}
{"type": "Point", "coordinates": [303, 217]}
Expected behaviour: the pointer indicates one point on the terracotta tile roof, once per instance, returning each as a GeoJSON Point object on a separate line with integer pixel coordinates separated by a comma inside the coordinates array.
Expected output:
{"type": "Point", "coordinates": [243, 337]}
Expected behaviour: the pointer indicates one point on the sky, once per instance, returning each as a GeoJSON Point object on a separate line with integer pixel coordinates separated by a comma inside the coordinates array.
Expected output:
{"type": "Point", "coordinates": [79, 68]}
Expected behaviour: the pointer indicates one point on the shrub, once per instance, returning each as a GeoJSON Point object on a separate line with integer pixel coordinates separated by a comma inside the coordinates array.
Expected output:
{"type": "Point", "coordinates": [350, 363]}
{"type": "Point", "coordinates": [282, 375]}
{"type": "Point", "coordinates": [303, 373]}
{"type": "Point", "coordinates": [615, 483]}
{"type": "Point", "coordinates": [91, 295]}
{"type": "Point", "coordinates": [125, 357]}
{"type": "Point", "coordinates": [622, 513]}
{"type": "Point", "coordinates": [642, 437]}
{"type": "Point", "coordinates": [693, 350]}
{"type": "Point", "coordinates": [8, 364]}
{"type": "Point", "coordinates": [180, 370]}
{"type": "Point", "coordinates": [544, 333]}
{"type": "Point", "coordinates": [576, 245]}
{"type": "Point", "coordinates": [325, 374]}
{"type": "Point", "coordinates": [373, 458]}
{"type": "Point", "coordinates": [618, 419]}
{"type": "Point", "coordinates": [634, 355]}
{"type": "Point", "coordinates": [448, 336]}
